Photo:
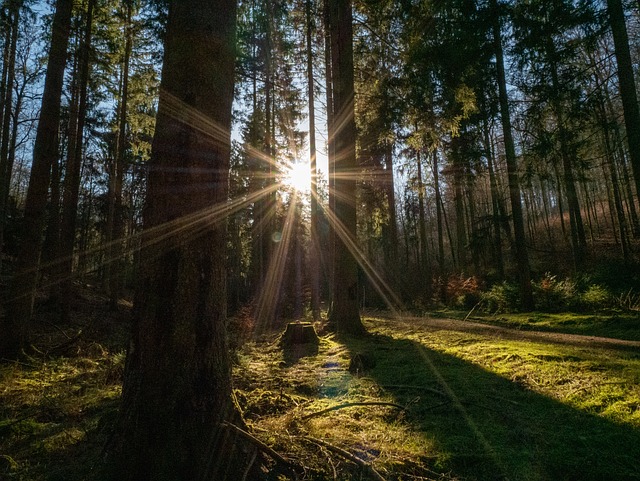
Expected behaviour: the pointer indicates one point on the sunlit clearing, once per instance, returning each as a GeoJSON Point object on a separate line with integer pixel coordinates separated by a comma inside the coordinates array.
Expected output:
{"type": "Point", "coordinates": [297, 176]}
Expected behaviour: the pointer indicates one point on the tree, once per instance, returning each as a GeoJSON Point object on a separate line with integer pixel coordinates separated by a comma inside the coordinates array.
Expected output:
{"type": "Point", "coordinates": [315, 247]}
{"type": "Point", "coordinates": [45, 153]}
{"type": "Point", "coordinates": [521, 254]}
{"type": "Point", "coordinates": [74, 164]}
{"type": "Point", "coordinates": [177, 389]}
{"type": "Point", "coordinates": [627, 85]}
{"type": "Point", "coordinates": [345, 315]}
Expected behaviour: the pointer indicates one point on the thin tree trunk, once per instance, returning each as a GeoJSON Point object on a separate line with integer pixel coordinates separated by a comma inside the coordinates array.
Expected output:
{"type": "Point", "coordinates": [422, 228]}
{"type": "Point", "coordinates": [6, 165]}
{"type": "Point", "coordinates": [72, 174]}
{"type": "Point", "coordinates": [495, 211]}
{"type": "Point", "coordinates": [521, 254]}
{"type": "Point", "coordinates": [331, 158]}
{"type": "Point", "coordinates": [441, 265]}
{"type": "Point", "coordinates": [315, 248]}
{"type": "Point", "coordinates": [14, 326]}
{"type": "Point", "coordinates": [116, 260]}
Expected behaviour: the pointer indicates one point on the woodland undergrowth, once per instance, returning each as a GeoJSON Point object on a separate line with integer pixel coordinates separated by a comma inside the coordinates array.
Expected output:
{"type": "Point", "coordinates": [434, 401]}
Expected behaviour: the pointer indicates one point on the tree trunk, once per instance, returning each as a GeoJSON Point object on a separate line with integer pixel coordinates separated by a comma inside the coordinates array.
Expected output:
{"type": "Point", "coordinates": [171, 414]}
{"type": "Point", "coordinates": [72, 174]}
{"type": "Point", "coordinates": [315, 248]}
{"type": "Point", "coordinates": [14, 326]}
{"type": "Point", "coordinates": [115, 261]}
{"type": "Point", "coordinates": [345, 314]}
{"type": "Point", "coordinates": [331, 163]}
{"type": "Point", "coordinates": [425, 271]}
{"type": "Point", "coordinates": [7, 97]}
{"type": "Point", "coordinates": [495, 210]}
{"type": "Point", "coordinates": [627, 85]}
{"type": "Point", "coordinates": [521, 254]}
{"type": "Point", "coordinates": [441, 266]}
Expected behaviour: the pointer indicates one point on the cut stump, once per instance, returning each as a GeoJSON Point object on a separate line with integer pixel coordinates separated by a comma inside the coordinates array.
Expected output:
{"type": "Point", "coordinates": [300, 333]}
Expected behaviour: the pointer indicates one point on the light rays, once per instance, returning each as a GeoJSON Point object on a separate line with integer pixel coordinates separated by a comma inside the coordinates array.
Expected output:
{"type": "Point", "coordinates": [159, 239]}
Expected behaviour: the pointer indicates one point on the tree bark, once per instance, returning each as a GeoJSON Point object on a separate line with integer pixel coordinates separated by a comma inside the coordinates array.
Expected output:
{"type": "Point", "coordinates": [521, 254]}
{"type": "Point", "coordinates": [7, 97]}
{"type": "Point", "coordinates": [177, 387]}
{"type": "Point", "coordinates": [14, 326]}
{"type": "Point", "coordinates": [627, 85]}
{"type": "Point", "coordinates": [315, 248]}
{"type": "Point", "coordinates": [345, 314]}
{"type": "Point", "coordinates": [72, 174]}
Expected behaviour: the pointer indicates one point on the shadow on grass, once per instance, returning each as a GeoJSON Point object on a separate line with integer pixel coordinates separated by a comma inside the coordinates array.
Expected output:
{"type": "Point", "coordinates": [60, 436]}
{"type": "Point", "coordinates": [487, 427]}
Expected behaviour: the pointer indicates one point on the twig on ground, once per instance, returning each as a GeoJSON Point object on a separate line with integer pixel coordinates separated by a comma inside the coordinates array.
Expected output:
{"type": "Point", "coordinates": [348, 405]}
{"type": "Point", "coordinates": [347, 455]}
{"type": "Point", "coordinates": [471, 311]}
{"type": "Point", "coordinates": [260, 445]}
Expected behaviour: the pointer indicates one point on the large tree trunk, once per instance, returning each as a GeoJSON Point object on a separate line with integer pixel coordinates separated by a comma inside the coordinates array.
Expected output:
{"type": "Point", "coordinates": [521, 254]}
{"type": "Point", "coordinates": [45, 152]}
{"type": "Point", "coordinates": [177, 387]}
{"type": "Point", "coordinates": [627, 85]}
{"type": "Point", "coordinates": [345, 314]}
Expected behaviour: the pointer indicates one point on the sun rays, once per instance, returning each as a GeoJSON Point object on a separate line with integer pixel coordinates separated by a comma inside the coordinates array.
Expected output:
{"type": "Point", "coordinates": [290, 182]}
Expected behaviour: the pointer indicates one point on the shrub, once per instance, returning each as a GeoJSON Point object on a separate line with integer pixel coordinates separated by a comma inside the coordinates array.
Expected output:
{"type": "Point", "coordinates": [596, 297]}
{"type": "Point", "coordinates": [463, 291]}
{"type": "Point", "coordinates": [553, 295]}
{"type": "Point", "coordinates": [503, 297]}
{"type": "Point", "coordinates": [629, 300]}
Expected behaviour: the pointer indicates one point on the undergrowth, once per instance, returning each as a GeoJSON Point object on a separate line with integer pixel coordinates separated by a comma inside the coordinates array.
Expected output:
{"type": "Point", "coordinates": [438, 401]}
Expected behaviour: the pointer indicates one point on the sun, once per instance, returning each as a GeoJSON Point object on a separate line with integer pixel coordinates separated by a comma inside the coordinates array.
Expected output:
{"type": "Point", "coordinates": [297, 176]}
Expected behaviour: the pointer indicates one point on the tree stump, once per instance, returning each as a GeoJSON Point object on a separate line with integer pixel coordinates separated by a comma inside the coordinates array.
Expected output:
{"type": "Point", "coordinates": [300, 333]}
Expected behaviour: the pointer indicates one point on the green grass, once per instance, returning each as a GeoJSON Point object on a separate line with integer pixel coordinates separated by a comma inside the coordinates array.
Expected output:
{"type": "Point", "coordinates": [479, 405]}
{"type": "Point", "coordinates": [619, 325]}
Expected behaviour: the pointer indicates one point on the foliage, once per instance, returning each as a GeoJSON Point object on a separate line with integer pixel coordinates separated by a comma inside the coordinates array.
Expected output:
{"type": "Point", "coordinates": [463, 291]}
{"type": "Point", "coordinates": [502, 297]}
{"type": "Point", "coordinates": [555, 295]}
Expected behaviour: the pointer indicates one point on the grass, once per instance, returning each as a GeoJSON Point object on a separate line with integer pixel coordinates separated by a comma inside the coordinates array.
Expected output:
{"type": "Point", "coordinates": [615, 324]}
{"type": "Point", "coordinates": [480, 405]}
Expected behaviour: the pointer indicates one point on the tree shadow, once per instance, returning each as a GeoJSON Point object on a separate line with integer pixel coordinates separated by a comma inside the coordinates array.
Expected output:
{"type": "Point", "coordinates": [512, 433]}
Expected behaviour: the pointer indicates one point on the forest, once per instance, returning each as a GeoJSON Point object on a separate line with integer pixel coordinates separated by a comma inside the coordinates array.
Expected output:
{"type": "Point", "coordinates": [319, 239]}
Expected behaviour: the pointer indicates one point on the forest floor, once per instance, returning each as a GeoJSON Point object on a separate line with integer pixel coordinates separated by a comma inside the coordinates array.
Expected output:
{"type": "Point", "coordinates": [527, 397]}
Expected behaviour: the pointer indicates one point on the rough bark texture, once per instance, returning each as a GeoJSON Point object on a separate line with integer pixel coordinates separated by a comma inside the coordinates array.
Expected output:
{"type": "Point", "coordinates": [45, 152]}
{"type": "Point", "coordinates": [177, 387]}
{"type": "Point", "coordinates": [627, 85]}
{"type": "Point", "coordinates": [345, 315]}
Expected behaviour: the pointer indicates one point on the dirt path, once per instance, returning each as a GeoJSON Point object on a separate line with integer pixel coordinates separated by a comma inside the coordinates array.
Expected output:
{"type": "Point", "coordinates": [432, 323]}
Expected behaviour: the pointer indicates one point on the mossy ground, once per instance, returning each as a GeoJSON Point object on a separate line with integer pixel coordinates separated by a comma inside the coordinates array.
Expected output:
{"type": "Point", "coordinates": [478, 405]}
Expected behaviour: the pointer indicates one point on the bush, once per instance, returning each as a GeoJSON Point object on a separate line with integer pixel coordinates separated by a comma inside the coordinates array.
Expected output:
{"type": "Point", "coordinates": [596, 297]}
{"type": "Point", "coordinates": [463, 291]}
{"type": "Point", "coordinates": [553, 295]}
{"type": "Point", "coordinates": [503, 297]}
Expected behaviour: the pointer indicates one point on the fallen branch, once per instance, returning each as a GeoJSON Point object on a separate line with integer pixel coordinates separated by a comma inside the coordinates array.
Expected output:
{"type": "Point", "coordinates": [260, 445]}
{"type": "Point", "coordinates": [347, 455]}
{"type": "Point", "coordinates": [348, 405]}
